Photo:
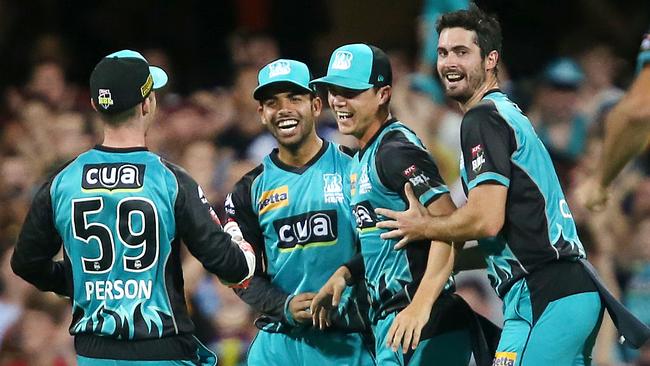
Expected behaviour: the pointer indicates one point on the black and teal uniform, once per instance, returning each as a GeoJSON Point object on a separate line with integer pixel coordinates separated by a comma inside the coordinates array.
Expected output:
{"type": "Point", "coordinates": [300, 224]}
{"type": "Point", "coordinates": [392, 157]}
{"type": "Point", "coordinates": [120, 215]}
{"type": "Point", "coordinates": [534, 262]}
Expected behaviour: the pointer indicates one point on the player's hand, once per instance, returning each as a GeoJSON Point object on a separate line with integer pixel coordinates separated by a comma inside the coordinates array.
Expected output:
{"type": "Point", "coordinates": [407, 327]}
{"type": "Point", "coordinates": [299, 306]}
{"type": "Point", "coordinates": [409, 225]}
{"type": "Point", "coordinates": [329, 297]}
{"type": "Point", "coordinates": [592, 195]}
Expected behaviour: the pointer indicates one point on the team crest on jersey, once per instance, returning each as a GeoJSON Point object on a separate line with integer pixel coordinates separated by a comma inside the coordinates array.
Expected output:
{"type": "Point", "coordinates": [504, 359]}
{"type": "Point", "coordinates": [105, 99]}
{"type": "Point", "coordinates": [333, 188]}
{"type": "Point", "coordinates": [478, 158]}
{"type": "Point", "coordinates": [273, 199]}
{"type": "Point", "coordinates": [279, 68]}
{"type": "Point", "coordinates": [113, 176]}
{"type": "Point", "coordinates": [364, 182]}
{"type": "Point", "coordinates": [342, 60]}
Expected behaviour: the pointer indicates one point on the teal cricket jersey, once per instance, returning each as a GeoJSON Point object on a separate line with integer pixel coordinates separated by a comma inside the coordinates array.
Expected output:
{"type": "Point", "coordinates": [300, 224]}
{"type": "Point", "coordinates": [391, 158]}
{"type": "Point", "coordinates": [120, 215]}
{"type": "Point", "coordinates": [500, 146]}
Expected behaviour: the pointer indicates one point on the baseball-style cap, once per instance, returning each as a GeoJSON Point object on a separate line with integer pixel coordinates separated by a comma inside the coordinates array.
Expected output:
{"type": "Point", "coordinates": [122, 80]}
{"type": "Point", "coordinates": [357, 66]}
{"type": "Point", "coordinates": [283, 71]}
{"type": "Point", "coordinates": [563, 73]}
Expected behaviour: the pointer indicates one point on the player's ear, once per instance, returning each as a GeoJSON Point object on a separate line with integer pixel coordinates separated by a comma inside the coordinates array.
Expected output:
{"type": "Point", "coordinates": [92, 103]}
{"type": "Point", "coordinates": [491, 60]}
{"type": "Point", "coordinates": [384, 94]}
{"type": "Point", "coordinates": [260, 111]}
{"type": "Point", "coordinates": [316, 105]}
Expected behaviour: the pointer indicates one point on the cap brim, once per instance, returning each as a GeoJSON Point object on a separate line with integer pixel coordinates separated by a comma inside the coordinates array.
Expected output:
{"type": "Point", "coordinates": [159, 77]}
{"type": "Point", "coordinates": [258, 91]}
{"type": "Point", "coordinates": [342, 82]}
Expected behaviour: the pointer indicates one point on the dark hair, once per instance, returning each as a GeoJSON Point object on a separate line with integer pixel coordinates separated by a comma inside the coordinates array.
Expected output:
{"type": "Point", "coordinates": [487, 28]}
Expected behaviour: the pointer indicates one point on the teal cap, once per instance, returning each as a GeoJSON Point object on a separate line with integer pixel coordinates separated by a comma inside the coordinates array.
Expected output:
{"type": "Point", "coordinates": [357, 66]}
{"type": "Point", "coordinates": [283, 70]}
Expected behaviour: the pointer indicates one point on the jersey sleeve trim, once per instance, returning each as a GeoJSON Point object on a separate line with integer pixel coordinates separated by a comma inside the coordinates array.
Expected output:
{"type": "Point", "coordinates": [488, 177]}
{"type": "Point", "coordinates": [432, 194]}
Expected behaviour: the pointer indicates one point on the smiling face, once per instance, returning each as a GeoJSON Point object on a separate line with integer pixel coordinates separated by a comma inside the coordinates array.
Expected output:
{"type": "Point", "coordinates": [460, 65]}
{"type": "Point", "coordinates": [290, 115]}
{"type": "Point", "coordinates": [357, 112]}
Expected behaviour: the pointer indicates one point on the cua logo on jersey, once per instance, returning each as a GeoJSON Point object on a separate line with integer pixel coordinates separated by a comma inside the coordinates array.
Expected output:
{"type": "Point", "coordinates": [315, 228]}
{"type": "Point", "coordinates": [113, 176]}
{"type": "Point", "coordinates": [273, 199]}
{"type": "Point", "coordinates": [478, 158]}
{"type": "Point", "coordinates": [504, 359]}
{"type": "Point", "coordinates": [333, 188]}
{"type": "Point", "coordinates": [342, 60]}
{"type": "Point", "coordinates": [279, 68]}
{"type": "Point", "coordinates": [364, 215]}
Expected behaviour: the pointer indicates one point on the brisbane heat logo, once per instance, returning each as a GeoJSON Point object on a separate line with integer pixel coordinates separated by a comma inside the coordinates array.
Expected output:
{"type": "Point", "coordinates": [113, 176]}
{"type": "Point", "coordinates": [315, 228]}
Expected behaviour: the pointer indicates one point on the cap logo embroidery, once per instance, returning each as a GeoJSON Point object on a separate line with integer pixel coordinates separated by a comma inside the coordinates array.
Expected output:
{"type": "Point", "coordinates": [146, 88]}
{"type": "Point", "coordinates": [105, 100]}
{"type": "Point", "coordinates": [342, 60]}
{"type": "Point", "coordinates": [279, 68]}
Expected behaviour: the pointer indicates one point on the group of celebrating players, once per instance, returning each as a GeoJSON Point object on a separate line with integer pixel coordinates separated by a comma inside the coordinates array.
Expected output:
{"type": "Point", "coordinates": [347, 255]}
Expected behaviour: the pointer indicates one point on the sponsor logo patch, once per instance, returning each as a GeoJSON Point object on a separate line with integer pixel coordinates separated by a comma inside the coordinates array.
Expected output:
{"type": "Point", "coordinates": [353, 184]}
{"type": "Point", "coordinates": [273, 199]}
{"type": "Point", "coordinates": [364, 215]}
{"type": "Point", "coordinates": [478, 158]}
{"type": "Point", "coordinates": [505, 359]}
{"type": "Point", "coordinates": [113, 176]}
{"type": "Point", "coordinates": [311, 228]}
{"type": "Point", "coordinates": [146, 87]}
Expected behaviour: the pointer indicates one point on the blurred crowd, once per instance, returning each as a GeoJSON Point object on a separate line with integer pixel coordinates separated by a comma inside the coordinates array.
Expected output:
{"type": "Point", "coordinates": [216, 135]}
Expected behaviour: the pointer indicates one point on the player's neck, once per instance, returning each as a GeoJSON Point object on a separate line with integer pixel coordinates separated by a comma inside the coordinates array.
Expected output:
{"type": "Point", "coordinates": [490, 83]}
{"type": "Point", "coordinates": [123, 136]}
{"type": "Point", "coordinates": [302, 154]}
{"type": "Point", "coordinates": [372, 129]}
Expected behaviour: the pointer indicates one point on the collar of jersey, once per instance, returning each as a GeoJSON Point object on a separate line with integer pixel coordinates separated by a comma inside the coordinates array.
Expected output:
{"type": "Point", "coordinates": [298, 170]}
{"type": "Point", "coordinates": [374, 137]}
{"type": "Point", "coordinates": [120, 149]}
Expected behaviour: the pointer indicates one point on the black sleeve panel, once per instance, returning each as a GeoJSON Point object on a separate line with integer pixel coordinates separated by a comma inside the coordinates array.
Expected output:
{"type": "Point", "coordinates": [261, 294]}
{"type": "Point", "coordinates": [37, 244]}
{"type": "Point", "coordinates": [356, 266]}
{"type": "Point", "coordinates": [198, 225]}
{"type": "Point", "coordinates": [399, 161]}
{"type": "Point", "coordinates": [487, 143]}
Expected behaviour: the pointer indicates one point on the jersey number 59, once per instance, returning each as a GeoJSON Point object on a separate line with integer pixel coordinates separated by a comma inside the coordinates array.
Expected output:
{"type": "Point", "coordinates": [145, 238]}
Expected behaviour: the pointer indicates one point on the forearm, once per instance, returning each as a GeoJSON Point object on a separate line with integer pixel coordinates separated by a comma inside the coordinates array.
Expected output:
{"type": "Point", "coordinates": [264, 297]}
{"type": "Point", "coordinates": [627, 128]}
{"type": "Point", "coordinates": [462, 225]}
{"type": "Point", "coordinates": [439, 266]}
{"type": "Point", "coordinates": [44, 273]}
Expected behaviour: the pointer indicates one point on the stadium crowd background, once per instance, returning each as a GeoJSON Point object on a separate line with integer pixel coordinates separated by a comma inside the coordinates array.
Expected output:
{"type": "Point", "coordinates": [565, 62]}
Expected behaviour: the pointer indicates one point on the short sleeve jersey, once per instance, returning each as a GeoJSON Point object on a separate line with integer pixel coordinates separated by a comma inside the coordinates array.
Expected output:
{"type": "Point", "coordinates": [379, 172]}
{"type": "Point", "coordinates": [500, 146]}
{"type": "Point", "coordinates": [298, 220]}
